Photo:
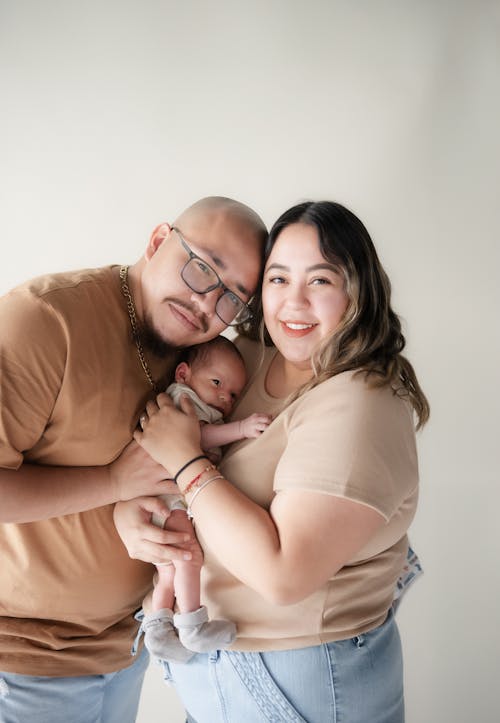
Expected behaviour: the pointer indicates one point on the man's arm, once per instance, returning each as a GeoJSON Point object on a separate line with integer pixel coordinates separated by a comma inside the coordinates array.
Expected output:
{"type": "Point", "coordinates": [33, 357]}
{"type": "Point", "coordinates": [37, 492]}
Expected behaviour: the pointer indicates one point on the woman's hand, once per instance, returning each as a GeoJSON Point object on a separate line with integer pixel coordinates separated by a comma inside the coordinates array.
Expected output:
{"type": "Point", "coordinates": [147, 542]}
{"type": "Point", "coordinates": [171, 436]}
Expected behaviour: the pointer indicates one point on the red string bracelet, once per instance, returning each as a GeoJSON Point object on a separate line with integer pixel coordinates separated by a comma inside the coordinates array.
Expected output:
{"type": "Point", "coordinates": [195, 479]}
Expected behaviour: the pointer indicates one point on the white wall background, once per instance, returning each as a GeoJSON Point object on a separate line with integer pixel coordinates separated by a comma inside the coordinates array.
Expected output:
{"type": "Point", "coordinates": [116, 114]}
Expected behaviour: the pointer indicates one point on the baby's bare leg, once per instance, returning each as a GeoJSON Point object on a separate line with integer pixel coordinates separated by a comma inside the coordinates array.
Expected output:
{"type": "Point", "coordinates": [196, 631]}
{"type": "Point", "coordinates": [163, 591]}
{"type": "Point", "coordinates": [160, 634]}
{"type": "Point", "coordinates": [187, 572]}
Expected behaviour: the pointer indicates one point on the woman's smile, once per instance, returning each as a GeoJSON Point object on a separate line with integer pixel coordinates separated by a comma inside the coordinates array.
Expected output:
{"type": "Point", "coordinates": [297, 329]}
{"type": "Point", "coordinates": [303, 294]}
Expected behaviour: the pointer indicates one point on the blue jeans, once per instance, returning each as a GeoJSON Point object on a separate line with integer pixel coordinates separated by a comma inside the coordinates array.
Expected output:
{"type": "Point", "coordinates": [108, 698]}
{"type": "Point", "coordinates": [359, 680]}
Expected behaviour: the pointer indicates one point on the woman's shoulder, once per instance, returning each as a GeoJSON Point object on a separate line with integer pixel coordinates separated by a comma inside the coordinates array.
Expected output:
{"type": "Point", "coordinates": [354, 381]}
{"type": "Point", "coordinates": [351, 382]}
{"type": "Point", "coordinates": [353, 392]}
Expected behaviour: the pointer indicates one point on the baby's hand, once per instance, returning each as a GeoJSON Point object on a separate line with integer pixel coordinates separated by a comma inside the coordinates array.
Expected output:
{"type": "Point", "coordinates": [254, 425]}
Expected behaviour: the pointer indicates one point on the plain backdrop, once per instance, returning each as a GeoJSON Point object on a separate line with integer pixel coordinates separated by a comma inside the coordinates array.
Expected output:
{"type": "Point", "coordinates": [115, 115]}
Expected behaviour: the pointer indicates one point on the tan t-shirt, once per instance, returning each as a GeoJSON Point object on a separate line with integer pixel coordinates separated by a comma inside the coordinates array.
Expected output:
{"type": "Point", "coordinates": [341, 438]}
{"type": "Point", "coordinates": [71, 389]}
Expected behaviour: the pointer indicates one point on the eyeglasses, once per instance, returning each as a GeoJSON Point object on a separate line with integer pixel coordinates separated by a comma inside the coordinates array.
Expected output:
{"type": "Point", "coordinates": [202, 278]}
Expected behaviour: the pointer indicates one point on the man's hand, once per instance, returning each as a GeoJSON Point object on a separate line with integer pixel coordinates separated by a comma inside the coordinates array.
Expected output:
{"type": "Point", "coordinates": [135, 473]}
{"type": "Point", "coordinates": [147, 542]}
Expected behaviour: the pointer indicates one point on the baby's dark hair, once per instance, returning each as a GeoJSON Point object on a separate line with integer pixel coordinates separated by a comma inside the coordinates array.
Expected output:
{"type": "Point", "coordinates": [199, 353]}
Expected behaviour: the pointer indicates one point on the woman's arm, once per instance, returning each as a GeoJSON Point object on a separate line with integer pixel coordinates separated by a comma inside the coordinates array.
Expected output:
{"type": "Point", "coordinates": [291, 551]}
{"type": "Point", "coordinates": [285, 554]}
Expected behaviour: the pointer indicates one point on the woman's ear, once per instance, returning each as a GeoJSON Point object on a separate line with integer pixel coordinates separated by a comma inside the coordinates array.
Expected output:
{"type": "Point", "coordinates": [157, 237]}
{"type": "Point", "coordinates": [182, 373]}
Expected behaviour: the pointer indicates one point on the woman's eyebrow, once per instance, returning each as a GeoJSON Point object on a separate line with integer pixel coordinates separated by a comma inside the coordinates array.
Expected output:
{"type": "Point", "coordinates": [315, 267]}
{"type": "Point", "coordinates": [326, 266]}
{"type": "Point", "coordinates": [277, 266]}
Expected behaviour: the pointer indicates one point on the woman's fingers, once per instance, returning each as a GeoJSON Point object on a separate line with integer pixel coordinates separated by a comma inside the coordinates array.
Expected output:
{"type": "Point", "coordinates": [151, 407]}
{"type": "Point", "coordinates": [163, 400]}
{"type": "Point", "coordinates": [187, 405]}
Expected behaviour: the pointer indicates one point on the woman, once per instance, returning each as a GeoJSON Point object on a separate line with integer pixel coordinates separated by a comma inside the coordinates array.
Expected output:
{"type": "Point", "coordinates": [304, 528]}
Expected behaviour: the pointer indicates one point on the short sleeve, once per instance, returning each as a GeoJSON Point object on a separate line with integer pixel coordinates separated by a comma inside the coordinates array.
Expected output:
{"type": "Point", "coordinates": [32, 362]}
{"type": "Point", "coordinates": [351, 440]}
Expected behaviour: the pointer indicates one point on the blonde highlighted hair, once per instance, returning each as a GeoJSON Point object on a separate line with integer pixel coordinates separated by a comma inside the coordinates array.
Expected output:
{"type": "Point", "coordinates": [369, 339]}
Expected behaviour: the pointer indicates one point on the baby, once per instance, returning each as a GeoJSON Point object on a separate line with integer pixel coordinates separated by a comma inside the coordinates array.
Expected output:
{"type": "Point", "coordinates": [213, 376]}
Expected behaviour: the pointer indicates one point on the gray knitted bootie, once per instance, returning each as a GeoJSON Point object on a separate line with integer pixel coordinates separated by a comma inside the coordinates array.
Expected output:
{"type": "Point", "coordinates": [198, 633]}
{"type": "Point", "coordinates": [160, 637]}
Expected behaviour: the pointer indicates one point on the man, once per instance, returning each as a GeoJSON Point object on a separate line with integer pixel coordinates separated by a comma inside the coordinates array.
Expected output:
{"type": "Point", "coordinates": [80, 354]}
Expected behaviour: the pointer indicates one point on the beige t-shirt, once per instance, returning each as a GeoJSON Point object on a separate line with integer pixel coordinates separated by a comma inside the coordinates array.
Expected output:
{"type": "Point", "coordinates": [341, 438]}
{"type": "Point", "coordinates": [71, 389]}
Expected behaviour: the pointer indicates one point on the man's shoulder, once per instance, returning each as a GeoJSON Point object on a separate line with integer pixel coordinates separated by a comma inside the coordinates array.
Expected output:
{"type": "Point", "coordinates": [55, 306]}
{"type": "Point", "coordinates": [52, 284]}
{"type": "Point", "coordinates": [62, 299]}
{"type": "Point", "coordinates": [65, 289]}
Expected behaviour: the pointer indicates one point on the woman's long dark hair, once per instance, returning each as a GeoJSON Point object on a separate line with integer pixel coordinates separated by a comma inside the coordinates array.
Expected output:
{"type": "Point", "coordinates": [369, 338]}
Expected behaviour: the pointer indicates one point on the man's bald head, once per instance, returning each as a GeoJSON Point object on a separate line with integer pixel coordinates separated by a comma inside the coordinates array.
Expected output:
{"type": "Point", "coordinates": [225, 235]}
{"type": "Point", "coordinates": [222, 209]}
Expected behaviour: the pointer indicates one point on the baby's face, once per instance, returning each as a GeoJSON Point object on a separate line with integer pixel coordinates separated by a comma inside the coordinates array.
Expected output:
{"type": "Point", "coordinates": [218, 380]}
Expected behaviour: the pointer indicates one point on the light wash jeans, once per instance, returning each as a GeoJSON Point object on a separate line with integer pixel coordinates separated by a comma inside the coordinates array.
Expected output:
{"type": "Point", "coordinates": [359, 680]}
{"type": "Point", "coordinates": [108, 698]}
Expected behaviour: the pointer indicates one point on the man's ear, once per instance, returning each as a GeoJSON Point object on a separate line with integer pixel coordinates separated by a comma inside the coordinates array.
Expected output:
{"type": "Point", "coordinates": [183, 373]}
{"type": "Point", "coordinates": [158, 236]}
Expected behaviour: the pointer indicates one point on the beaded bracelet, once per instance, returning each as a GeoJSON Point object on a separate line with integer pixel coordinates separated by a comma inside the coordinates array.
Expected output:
{"type": "Point", "coordinates": [193, 482]}
{"type": "Point", "coordinates": [198, 490]}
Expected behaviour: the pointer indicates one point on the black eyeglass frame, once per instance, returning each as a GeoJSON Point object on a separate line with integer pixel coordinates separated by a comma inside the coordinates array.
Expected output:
{"type": "Point", "coordinates": [245, 309]}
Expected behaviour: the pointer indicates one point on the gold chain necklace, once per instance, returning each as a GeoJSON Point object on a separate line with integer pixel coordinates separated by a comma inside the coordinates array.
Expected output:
{"type": "Point", "coordinates": [133, 323]}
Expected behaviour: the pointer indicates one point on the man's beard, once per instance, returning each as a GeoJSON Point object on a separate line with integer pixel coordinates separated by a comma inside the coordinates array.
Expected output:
{"type": "Point", "coordinates": [152, 341]}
